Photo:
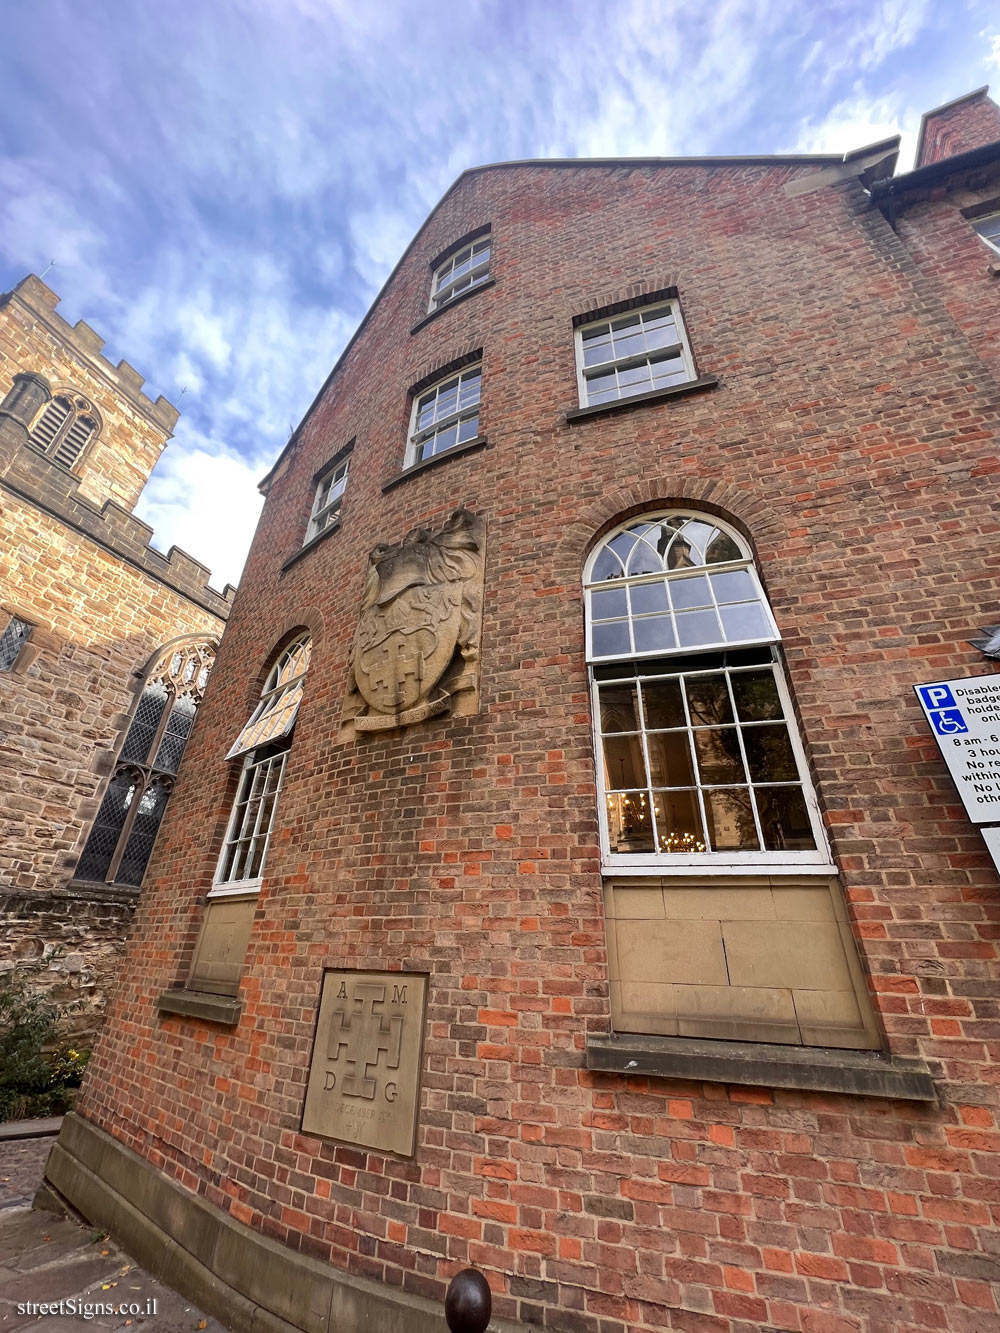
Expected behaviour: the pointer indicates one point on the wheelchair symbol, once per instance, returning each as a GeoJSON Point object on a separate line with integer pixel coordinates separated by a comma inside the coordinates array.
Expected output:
{"type": "Point", "coordinates": [948, 722]}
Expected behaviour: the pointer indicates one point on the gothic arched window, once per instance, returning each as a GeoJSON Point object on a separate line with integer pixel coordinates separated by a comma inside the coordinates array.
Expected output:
{"type": "Point", "coordinates": [124, 830]}
{"type": "Point", "coordinates": [65, 427]}
{"type": "Point", "coordinates": [699, 758]}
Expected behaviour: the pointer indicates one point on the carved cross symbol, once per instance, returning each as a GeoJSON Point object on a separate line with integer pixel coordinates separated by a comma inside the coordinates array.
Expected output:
{"type": "Point", "coordinates": [367, 1034]}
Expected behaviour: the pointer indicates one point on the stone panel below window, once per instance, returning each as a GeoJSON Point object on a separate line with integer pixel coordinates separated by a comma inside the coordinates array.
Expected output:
{"type": "Point", "coordinates": [762, 959]}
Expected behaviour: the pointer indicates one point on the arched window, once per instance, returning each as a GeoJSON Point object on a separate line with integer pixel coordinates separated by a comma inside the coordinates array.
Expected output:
{"type": "Point", "coordinates": [699, 759]}
{"type": "Point", "coordinates": [65, 428]}
{"type": "Point", "coordinates": [263, 742]}
{"type": "Point", "coordinates": [124, 830]}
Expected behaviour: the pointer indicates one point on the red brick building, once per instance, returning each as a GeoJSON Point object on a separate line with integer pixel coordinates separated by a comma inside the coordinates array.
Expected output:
{"type": "Point", "coordinates": [563, 879]}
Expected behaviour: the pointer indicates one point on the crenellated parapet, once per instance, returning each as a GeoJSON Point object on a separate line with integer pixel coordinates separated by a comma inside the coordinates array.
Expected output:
{"type": "Point", "coordinates": [87, 343]}
{"type": "Point", "coordinates": [36, 478]}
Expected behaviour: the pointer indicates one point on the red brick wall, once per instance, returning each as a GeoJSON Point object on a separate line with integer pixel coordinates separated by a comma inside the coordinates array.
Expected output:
{"type": "Point", "coordinates": [854, 436]}
{"type": "Point", "coordinates": [957, 129]}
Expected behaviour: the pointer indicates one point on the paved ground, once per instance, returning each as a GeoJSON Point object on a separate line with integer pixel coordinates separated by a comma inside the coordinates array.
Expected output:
{"type": "Point", "coordinates": [45, 1259]}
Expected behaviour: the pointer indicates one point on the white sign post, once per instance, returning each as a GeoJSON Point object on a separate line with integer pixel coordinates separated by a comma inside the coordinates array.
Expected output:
{"type": "Point", "coordinates": [965, 718]}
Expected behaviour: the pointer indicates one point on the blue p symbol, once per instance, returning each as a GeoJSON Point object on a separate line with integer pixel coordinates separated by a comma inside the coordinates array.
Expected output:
{"type": "Point", "coordinates": [937, 696]}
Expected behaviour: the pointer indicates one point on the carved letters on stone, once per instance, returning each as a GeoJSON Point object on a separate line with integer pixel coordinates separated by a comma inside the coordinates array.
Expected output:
{"type": "Point", "coordinates": [364, 1079]}
{"type": "Point", "coordinates": [416, 651]}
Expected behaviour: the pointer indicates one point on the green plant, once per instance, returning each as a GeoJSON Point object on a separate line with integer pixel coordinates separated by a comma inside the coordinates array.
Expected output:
{"type": "Point", "coordinates": [38, 1074]}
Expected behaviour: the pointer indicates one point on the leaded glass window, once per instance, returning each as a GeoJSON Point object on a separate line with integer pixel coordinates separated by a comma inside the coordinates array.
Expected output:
{"type": "Point", "coordinates": [264, 743]}
{"type": "Point", "coordinates": [638, 352]}
{"type": "Point", "coordinates": [446, 415]}
{"type": "Point", "coordinates": [13, 639]}
{"type": "Point", "coordinates": [699, 758]}
{"type": "Point", "coordinates": [66, 426]}
{"type": "Point", "coordinates": [122, 836]}
{"type": "Point", "coordinates": [467, 268]}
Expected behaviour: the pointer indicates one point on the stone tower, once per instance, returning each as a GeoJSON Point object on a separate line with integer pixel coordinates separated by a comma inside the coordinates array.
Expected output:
{"type": "Point", "coordinates": [87, 610]}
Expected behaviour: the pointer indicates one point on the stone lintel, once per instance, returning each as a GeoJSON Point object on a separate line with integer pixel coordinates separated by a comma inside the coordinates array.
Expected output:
{"type": "Point", "coordinates": [809, 1069]}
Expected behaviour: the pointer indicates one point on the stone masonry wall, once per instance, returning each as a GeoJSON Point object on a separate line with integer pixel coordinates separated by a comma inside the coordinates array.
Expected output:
{"type": "Point", "coordinates": [77, 565]}
{"type": "Point", "coordinates": [34, 336]}
{"type": "Point", "coordinates": [853, 436]}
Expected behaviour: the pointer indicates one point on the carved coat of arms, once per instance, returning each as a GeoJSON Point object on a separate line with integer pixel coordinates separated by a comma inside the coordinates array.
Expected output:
{"type": "Point", "coordinates": [416, 647]}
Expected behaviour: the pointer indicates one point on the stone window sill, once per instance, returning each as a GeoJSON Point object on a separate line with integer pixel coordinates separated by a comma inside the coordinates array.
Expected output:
{"type": "Point", "coordinates": [225, 1009]}
{"type": "Point", "coordinates": [809, 1069]}
{"type": "Point", "coordinates": [310, 545]}
{"type": "Point", "coordinates": [456, 300]}
{"type": "Point", "coordinates": [466, 447]}
{"type": "Point", "coordinates": [641, 399]}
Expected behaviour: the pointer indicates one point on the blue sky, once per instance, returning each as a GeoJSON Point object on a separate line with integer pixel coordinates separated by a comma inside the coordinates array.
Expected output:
{"type": "Point", "coordinates": [224, 185]}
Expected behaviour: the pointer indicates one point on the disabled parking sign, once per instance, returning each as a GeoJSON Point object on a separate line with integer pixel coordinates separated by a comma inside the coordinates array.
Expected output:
{"type": "Point", "coordinates": [965, 718]}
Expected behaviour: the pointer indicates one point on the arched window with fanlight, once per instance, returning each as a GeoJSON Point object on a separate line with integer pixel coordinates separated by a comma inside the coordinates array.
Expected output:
{"type": "Point", "coordinates": [262, 747]}
{"type": "Point", "coordinates": [700, 759]}
{"type": "Point", "coordinates": [125, 827]}
{"type": "Point", "coordinates": [65, 427]}
{"type": "Point", "coordinates": [724, 913]}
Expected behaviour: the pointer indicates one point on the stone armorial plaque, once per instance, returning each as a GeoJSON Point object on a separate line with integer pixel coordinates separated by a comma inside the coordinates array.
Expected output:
{"type": "Point", "coordinates": [364, 1080]}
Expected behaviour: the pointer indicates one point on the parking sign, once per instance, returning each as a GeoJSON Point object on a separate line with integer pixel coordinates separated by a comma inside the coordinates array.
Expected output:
{"type": "Point", "coordinates": [965, 718]}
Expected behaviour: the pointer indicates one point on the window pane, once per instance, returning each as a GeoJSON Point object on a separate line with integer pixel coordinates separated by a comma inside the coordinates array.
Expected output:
{"type": "Point", "coordinates": [630, 828]}
{"type": "Point", "coordinates": [719, 758]}
{"type": "Point", "coordinates": [607, 566]}
{"type": "Point", "coordinates": [628, 344]}
{"type": "Point", "coordinates": [756, 696]}
{"type": "Point", "coordinates": [745, 620]}
{"type": "Point", "coordinates": [730, 820]}
{"type": "Point", "coordinates": [647, 598]}
{"type": "Point", "coordinates": [696, 627]}
{"type": "Point", "coordinates": [143, 835]}
{"type": "Point", "coordinates": [769, 754]}
{"type": "Point", "coordinates": [12, 640]}
{"type": "Point", "coordinates": [636, 379]}
{"type": "Point", "coordinates": [678, 821]}
{"type": "Point", "coordinates": [608, 604]}
{"type": "Point", "coordinates": [619, 707]}
{"type": "Point", "coordinates": [611, 639]}
{"type": "Point", "coordinates": [663, 334]}
{"type": "Point", "coordinates": [644, 559]}
{"type": "Point", "coordinates": [144, 723]}
{"type": "Point", "coordinates": [623, 765]}
{"type": "Point", "coordinates": [784, 819]}
{"type": "Point", "coordinates": [168, 755]}
{"type": "Point", "coordinates": [736, 585]}
{"type": "Point", "coordinates": [690, 592]}
{"type": "Point", "coordinates": [654, 634]}
{"type": "Point", "coordinates": [670, 759]}
{"type": "Point", "coordinates": [662, 704]}
{"type": "Point", "coordinates": [468, 429]}
{"type": "Point", "coordinates": [708, 700]}
{"type": "Point", "coordinates": [596, 350]}
{"type": "Point", "coordinates": [107, 827]}
{"type": "Point", "coordinates": [722, 548]}
{"type": "Point", "coordinates": [602, 384]}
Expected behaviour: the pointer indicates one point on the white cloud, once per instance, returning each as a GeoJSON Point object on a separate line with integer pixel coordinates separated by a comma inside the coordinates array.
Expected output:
{"type": "Point", "coordinates": [858, 121]}
{"type": "Point", "coordinates": [206, 502]}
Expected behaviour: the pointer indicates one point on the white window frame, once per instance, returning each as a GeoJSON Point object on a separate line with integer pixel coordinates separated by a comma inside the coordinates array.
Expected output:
{"type": "Point", "coordinates": [418, 438]}
{"type": "Point", "coordinates": [222, 888]}
{"type": "Point", "coordinates": [585, 373]}
{"type": "Point", "coordinates": [992, 221]}
{"type": "Point", "coordinates": [818, 861]}
{"type": "Point", "coordinates": [443, 281]}
{"type": "Point", "coordinates": [326, 511]}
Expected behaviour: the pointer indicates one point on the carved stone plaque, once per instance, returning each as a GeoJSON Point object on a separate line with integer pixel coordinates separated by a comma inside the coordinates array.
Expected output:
{"type": "Point", "coordinates": [416, 651]}
{"type": "Point", "coordinates": [364, 1080]}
